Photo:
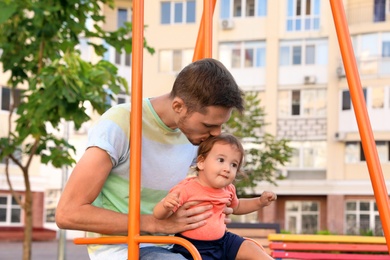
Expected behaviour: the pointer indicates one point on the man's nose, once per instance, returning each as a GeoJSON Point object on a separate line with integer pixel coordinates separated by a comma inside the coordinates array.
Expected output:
{"type": "Point", "coordinates": [216, 131]}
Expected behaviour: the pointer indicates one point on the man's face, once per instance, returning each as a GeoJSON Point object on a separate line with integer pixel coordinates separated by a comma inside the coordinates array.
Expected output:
{"type": "Point", "coordinates": [198, 126]}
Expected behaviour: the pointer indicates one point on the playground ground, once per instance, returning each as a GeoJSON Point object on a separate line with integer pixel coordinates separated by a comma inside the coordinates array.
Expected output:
{"type": "Point", "coordinates": [46, 250]}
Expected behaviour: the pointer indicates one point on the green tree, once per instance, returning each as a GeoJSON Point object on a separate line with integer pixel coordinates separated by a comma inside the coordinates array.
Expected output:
{"type": "Point", "coordinates": [264, 152]}
{"type": "Point", "coordinates": [39, 40]}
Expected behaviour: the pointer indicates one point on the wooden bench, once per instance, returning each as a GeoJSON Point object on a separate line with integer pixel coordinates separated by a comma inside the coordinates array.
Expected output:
{"type": "Point", "coordinates": [287, 246]}
{"type": "Point", "coordinates": [256, 231]}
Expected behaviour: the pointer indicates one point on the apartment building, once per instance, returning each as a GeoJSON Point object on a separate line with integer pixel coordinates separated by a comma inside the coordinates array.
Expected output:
{"type": "Point", "coordinates": [287, 51]}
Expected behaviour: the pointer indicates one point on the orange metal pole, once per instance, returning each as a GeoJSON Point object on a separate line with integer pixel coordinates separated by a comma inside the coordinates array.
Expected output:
{"type": "Point", "coordinates": [362, 118]}
{"type": "Point", "coordinates": [136, 129]}
{"type": "Point", "coordinates": [142, 239]}
{"type": "Point", "coordinates": [203, 47]}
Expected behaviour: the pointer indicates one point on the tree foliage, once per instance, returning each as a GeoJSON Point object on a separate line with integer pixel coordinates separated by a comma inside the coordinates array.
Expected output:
{"type": "Point", "coordinates": [39, 42]}
{"type": "Point", "coordinates": [264, 152]}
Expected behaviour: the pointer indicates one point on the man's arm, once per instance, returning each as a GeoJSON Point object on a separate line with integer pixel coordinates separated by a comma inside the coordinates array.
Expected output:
{"type": "Point", "coordinates": [75, 210]}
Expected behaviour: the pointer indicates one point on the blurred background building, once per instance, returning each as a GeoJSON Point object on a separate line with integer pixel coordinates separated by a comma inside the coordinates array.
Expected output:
{"type": "Point", "coordinates": [287, 51]}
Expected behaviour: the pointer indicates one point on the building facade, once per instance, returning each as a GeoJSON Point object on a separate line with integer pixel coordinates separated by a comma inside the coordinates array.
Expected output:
{"type": "Point", "coordinates": [287, 51]}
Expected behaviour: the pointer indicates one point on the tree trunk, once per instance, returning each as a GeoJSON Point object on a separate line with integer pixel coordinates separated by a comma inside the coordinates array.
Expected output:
{"type": "Point", "coordinates": [28, 224]}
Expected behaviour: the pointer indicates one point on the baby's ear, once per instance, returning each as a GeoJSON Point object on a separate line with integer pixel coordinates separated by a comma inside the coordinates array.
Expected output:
{"type": "Point", "coordinates": [200, 163]}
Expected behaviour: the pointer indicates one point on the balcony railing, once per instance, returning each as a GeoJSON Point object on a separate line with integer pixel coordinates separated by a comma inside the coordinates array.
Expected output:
{"type": "Point", "coordinates": [371, 66]}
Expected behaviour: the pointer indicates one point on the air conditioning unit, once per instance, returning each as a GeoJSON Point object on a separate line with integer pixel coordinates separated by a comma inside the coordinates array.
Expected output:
{"type": "Point", "coordinates": [309, 79]}
{"type": "Point", "coordinates": [227, 24]}
{"type": "Point", "coordinates": [340, 72]}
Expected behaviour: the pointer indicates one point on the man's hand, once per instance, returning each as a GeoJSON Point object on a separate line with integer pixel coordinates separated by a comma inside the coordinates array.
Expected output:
{"type": "Point", "coordinates": [227, 211]}
{"type": "Point", "coordinates": [187, 217]}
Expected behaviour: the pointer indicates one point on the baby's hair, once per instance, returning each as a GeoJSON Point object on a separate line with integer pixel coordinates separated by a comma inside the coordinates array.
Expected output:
{"type": "Point", "coordinates": [224, 138]}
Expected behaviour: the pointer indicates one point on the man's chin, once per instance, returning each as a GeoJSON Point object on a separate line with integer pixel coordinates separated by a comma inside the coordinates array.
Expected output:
{"type": "Point", "coordinates": [195, 142]}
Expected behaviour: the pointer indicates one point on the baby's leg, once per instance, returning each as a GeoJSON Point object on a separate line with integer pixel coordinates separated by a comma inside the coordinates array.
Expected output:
{"type": "Point", "coordinates": [250, 250]}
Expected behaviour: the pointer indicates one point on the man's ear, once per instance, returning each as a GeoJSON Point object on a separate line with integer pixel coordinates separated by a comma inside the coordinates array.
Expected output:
{"type": "Point", "coordinates": [178, 105]}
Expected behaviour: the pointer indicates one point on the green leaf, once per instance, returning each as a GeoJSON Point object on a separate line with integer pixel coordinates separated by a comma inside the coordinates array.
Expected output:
{"type": "Point", "coordinates": [7, 9]}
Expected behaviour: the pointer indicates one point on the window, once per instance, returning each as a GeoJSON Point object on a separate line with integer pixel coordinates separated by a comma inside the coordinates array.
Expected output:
{"type": "Point", "coordinates": [303, 15]}
{"type": "Point", "coordinates": [174, 60]}
{"type": "Point", "coordinates": [379, 10]}
{"type": "Point", "coordinates": [123, 98]}
{"type": "Point", "coordinates": [122, 17]}
{"type": "Point", "coordinates": [304, 103]}
{"type": "Point", "coordinates": [122, 58]}
{"type": "Point", "coordinates": [243, 8]}
{"type": "Point", "coordinates": [9, 98]}
{"type": "Point", "coordinates": [17, 154]}
{"type": "Point", "coordinates": [362, 218]}
{"type": "Point", "coordinates": [308, 155]}
{"type": "Point", "coordinates": [297, 54]}
{"type": "Point", "coordinates": [354, 151]}
{"type": "Point", "coordinates": [386, 48]}
{"type": "Point", "coordinates": [346, 102]}
{"type": "Point", "coordinates": [303, 52]}
{"type": "Point", "coordinates": [296, 102]}
{"type": "Point", "coordinates": [377, 98]}
{"type": "Point", "coordinates": [310, 54]}
{"type": "Point", "coordinates": [51, 200]}
{"type": "Point", "coordinates": [302, 217]}
{"type": "Point", "coordinates": [10, 211]}
{"type": "Point", "coordinates": [372, 51]}
{"type": "Point", "coordinates": [371, 45]}
{"type": "Point", "coordinates": [120, 98]}
{"type": "Point", "coordinates": [242, 54]}
{"type": "Point", "coordinates": [173, 12]}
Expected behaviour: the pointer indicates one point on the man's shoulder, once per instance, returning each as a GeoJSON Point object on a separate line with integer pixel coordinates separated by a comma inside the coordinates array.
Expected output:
{"type": "Point", "coordinates": [117, 111]}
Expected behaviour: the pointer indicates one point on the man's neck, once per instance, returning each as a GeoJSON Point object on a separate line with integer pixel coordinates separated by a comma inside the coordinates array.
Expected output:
{"type": "Point", "coordinates": [162, 105]}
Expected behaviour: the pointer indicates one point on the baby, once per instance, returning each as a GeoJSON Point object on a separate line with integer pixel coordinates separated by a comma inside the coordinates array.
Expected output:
{"type": "Point", "coordinates": [218, 161]}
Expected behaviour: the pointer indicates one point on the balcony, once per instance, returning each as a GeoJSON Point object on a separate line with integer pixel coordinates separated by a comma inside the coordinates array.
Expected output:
{"type": "Point", "coordinates": [358, 12]}
{"type": "Point", "coordinates": [370, 67]}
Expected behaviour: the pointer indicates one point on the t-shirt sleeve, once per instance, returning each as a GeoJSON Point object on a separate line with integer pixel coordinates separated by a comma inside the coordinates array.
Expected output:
{"type": "Point", "coordinates": [111, 133]}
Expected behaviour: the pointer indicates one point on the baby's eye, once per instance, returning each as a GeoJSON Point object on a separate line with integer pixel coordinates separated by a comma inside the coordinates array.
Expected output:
{"type": "Point", "coordinates": [234, 165]}
{"type": "Point", "coordinates": [220, 160]}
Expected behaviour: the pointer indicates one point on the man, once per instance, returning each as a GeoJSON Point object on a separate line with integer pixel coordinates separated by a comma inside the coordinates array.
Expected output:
{"type": "Point", "coordinates": [95, 198]}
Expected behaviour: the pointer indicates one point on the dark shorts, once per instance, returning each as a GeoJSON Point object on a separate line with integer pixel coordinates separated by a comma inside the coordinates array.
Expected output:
{"type": "Point", "coordinates": [225, 248]}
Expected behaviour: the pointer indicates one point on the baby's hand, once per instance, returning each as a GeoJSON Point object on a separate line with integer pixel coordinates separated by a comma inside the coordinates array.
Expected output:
{"type": "Point", "coordinates": [171, 201]}
{"type": "Point", "coordinates": [267, 197]}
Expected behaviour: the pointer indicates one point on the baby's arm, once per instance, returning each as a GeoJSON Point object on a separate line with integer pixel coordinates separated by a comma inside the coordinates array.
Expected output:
{"type": "Point", "coordinates": [246, 206]}
{"type": "Point", "coordinates": [165, 207]}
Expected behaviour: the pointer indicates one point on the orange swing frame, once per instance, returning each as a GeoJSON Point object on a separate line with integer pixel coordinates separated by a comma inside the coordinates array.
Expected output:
{"type": "Point", "coordinates": [203, 49]}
